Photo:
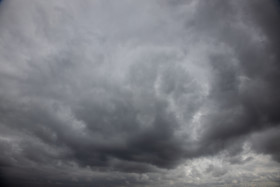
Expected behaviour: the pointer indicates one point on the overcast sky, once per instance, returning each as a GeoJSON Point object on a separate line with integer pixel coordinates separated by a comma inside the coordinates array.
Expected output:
{"type": "Point", "coordinates": [143, 93]}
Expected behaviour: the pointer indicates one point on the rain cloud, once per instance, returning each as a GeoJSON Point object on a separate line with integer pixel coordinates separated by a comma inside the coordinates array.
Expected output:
{"type": "Point", "coordinates": [139, 93]}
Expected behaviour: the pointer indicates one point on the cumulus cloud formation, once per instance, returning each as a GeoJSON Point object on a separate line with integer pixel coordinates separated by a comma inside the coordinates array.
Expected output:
{"type": "Point", "coordinates": [139, 93]}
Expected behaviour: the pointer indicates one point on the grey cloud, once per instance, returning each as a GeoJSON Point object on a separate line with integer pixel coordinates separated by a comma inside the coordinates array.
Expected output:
{"type": "Point", "coordinates": [136, 87]}
{"type": "Point", "coordinates": [267, 142]}
{"type": "Point", "coordinates": [215, 171]}
{"type": "Point", "coordinates": [236, 109]}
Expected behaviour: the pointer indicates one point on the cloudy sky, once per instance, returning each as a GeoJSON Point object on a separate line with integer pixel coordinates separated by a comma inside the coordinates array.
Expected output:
{"type": "Point", "coordinates": [143, 93]}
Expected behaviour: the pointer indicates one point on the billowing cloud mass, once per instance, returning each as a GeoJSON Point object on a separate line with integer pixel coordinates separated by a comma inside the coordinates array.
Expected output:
{"type": "Point", "coordinates": [139, 93]}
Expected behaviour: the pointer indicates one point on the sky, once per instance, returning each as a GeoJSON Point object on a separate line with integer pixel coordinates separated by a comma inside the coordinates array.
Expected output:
{"type": "Point", "coordinates": [150, 93]}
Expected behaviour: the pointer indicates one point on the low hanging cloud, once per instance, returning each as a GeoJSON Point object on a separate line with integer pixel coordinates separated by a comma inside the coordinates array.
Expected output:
{"type": "Point", "coordinates": [122, 93]}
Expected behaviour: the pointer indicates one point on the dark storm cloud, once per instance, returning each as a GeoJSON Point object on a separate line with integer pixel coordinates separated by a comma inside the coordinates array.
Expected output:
{"type": "Point", "coordinates": [135, 88]}
{"type": "Point", "coordinates": [267, 142]}
{"type": "Point", "coordinates": [246, 95]}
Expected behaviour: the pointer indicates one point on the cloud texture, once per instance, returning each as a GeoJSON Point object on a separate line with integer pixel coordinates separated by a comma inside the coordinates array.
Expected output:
{"type": "Point", "coordinates": [139, 93]}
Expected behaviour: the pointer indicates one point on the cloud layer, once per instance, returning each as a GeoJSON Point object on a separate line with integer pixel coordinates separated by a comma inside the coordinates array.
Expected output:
{"type": "Point", "coordinates": [122, 93]}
